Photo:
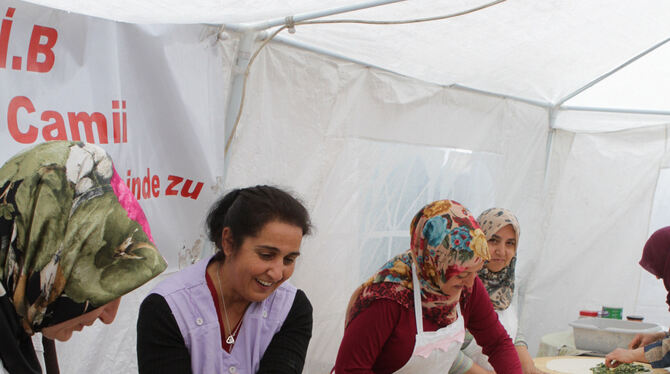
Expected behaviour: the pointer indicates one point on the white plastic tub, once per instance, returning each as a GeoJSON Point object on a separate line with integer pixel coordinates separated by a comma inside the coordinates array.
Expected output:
{"type": "Point", "coordinates": [604, 334]}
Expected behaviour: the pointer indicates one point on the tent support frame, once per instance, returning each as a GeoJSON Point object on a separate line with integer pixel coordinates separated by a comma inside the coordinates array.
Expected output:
{"type": "Point", "coordinates": [607, 74]}
{"type": "Point", "coordinates": [615, 110]}
{"type": "Point", "coordinates": [321, 51]}
{"type": "Point", "coordinates": [249, 32]}
{"type": "Point", "coordinates": [264, 25]}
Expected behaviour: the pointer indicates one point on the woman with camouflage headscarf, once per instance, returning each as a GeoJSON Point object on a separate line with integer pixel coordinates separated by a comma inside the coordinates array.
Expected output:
{"type": "Point", "coordinates": [73, 240]}
{"type": "Point", "coordinates": [410, 317]}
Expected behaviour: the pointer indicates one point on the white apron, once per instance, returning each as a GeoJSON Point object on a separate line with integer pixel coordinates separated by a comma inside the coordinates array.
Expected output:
{"type": "Point", "coordinates": [434, 351]}
{"type": "Point", "coordinates": [509, 321]}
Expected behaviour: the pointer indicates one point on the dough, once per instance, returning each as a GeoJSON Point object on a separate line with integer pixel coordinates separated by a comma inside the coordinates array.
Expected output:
{"type": "Point", "coordinates": [574, 365]}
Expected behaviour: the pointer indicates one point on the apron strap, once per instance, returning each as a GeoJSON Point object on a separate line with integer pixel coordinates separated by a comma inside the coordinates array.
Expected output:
{"type": "Point", "coordinates": [418, 312]}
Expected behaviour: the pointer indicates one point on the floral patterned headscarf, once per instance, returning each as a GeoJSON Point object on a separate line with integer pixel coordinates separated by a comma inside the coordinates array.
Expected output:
{"type": "Point", "coordinates": [445, 240]}
{"type": "Point", "coordinates": [656, 257]}
{"type": "Point", "coordinates": [500, 285]}
{"type": "Point", "coordinates": [72, 238]}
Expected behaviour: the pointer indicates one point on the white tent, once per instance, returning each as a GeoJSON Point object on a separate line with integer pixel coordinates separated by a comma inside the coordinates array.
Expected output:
{"type": "Point", "coordinates": [552, 109]}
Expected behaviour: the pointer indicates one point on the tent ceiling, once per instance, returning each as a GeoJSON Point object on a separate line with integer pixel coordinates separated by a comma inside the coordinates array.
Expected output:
{"type": "Point", "coordinates": [542, 51]}
{"type": "Point", "coordinates": [640, 85]}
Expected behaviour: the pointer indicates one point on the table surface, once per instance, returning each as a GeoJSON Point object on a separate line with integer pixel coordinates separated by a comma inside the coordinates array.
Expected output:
{"type": "Point", "coordinates": [541, 363]}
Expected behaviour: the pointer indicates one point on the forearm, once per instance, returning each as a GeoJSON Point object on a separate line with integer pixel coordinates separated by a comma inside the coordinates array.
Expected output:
{"type": "Point", "coordinates": [638, 355]}
{"type": "Point", "coordinates": [527, 363]}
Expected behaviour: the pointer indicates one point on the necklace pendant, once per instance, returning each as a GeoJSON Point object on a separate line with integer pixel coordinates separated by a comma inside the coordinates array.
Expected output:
{"type": "Point", "coordinates": [230, 340]}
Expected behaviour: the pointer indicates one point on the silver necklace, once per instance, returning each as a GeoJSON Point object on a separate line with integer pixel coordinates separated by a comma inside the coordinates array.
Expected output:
{"type": "Point", "coordinates": [231, 339]}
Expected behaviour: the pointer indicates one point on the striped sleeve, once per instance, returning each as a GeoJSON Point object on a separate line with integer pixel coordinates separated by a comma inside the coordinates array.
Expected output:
{"type": "Point", "coordinates": [520, 340]}
{"type": "Point", "coordinates": [461, 365]}
{"type": "Point", "coordinates": [657, 353]}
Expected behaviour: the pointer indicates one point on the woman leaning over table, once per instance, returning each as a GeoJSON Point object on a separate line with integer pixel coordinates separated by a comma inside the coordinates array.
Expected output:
{"type": "Point", "coordinates": [502, 232]}
{"type": "Point", "coordinates": [234, 312]}
{"type": "Point", "coordinates": [73, 241]}
{"type": "Point", "coordinates": [410, 317]}
{"type": "Point", "coordinates": [651, 348]}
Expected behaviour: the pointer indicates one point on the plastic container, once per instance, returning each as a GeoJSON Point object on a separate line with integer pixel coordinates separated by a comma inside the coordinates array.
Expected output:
{"type": "Point", "coordinates": [603, 335]}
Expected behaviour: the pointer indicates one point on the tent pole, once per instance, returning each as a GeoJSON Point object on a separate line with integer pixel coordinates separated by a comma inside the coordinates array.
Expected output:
{"type": "Point", "coordinates": [615, 110]}
{"type": "Point", "coordinates": [550, 145]}
{"type": "Point", "coordinates": [607, 74]}
{"type": "Point", "coordinates": [264, 25]}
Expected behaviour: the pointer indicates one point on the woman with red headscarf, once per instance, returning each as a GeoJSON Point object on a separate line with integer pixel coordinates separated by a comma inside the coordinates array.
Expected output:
{"type": "Point", "coordinates": [652, 348]}
{"type": "Point", "coordinates": [410, 317]}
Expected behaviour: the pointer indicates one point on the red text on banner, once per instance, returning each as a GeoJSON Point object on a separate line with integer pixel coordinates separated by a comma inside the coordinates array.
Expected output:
{"type": "Point", "coordinates": [40, 57]}
{"type": "Point", "coordinates": [149, 186]}
{"type": "Point", "coordinates": [52, 124]}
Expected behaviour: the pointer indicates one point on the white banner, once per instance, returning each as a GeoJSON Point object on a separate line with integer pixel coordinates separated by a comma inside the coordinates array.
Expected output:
{"type": "Point", "coordinates": [141, 92]}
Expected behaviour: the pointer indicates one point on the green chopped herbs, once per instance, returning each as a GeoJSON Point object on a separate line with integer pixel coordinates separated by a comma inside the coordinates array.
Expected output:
{"type": "Point", "coordinates": [621, 369]}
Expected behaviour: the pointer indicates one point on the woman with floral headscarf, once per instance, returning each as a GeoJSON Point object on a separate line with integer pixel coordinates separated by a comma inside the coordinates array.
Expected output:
{"type": "Point", "coordinates": [653, 348]}
{"type": "Point", "coordinates": [502, 232]}
{"type": "Point", "coordinates": [410, 317]}
{"type": "Point", "coordinates": [73, 240]}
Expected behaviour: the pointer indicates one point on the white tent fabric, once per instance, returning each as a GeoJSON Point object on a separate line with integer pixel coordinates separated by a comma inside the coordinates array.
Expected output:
{"type": "Point", "coordinates": [538, 51]}
{"type": "Point", "coordinates": [368, 123]}
{"type": "Point", "coordinates": [379, 148]}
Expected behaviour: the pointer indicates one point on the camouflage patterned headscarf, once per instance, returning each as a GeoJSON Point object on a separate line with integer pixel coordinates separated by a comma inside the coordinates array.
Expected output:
{"type": "Point", "coordinates": [445, 240]}
{"type": "Point", "coordinates": [72, 236]}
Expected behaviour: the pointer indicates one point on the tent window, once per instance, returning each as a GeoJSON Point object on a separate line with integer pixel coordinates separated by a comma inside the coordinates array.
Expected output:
{"type": "Point", "coordinates": [412, 177]}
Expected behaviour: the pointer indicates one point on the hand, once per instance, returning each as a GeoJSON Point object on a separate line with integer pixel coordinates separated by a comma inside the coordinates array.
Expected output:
{"type": "Point", "coordinates": [640, 340]}
{"type": "Point", "coordinates": [476, 369]}
{"type": "Point", "coordinates": [620, 356]}
{"type": "Point", "coordinates": [527, 364]}
{"type": "Point", "coordinates": [532, 370]}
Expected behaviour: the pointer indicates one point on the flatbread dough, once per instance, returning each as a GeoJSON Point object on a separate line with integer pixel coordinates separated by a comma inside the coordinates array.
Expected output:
{"type": "Point", "coordinates": [574, 365]}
